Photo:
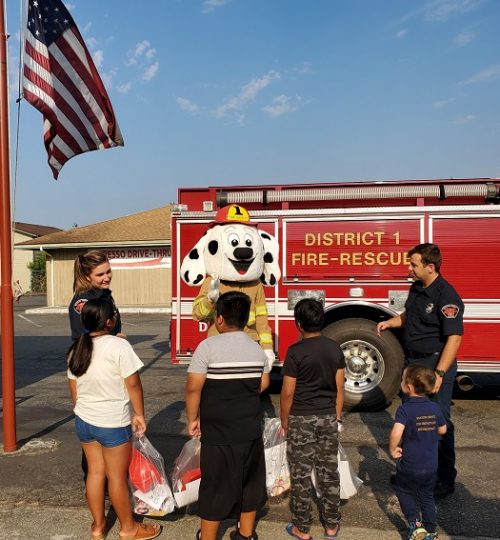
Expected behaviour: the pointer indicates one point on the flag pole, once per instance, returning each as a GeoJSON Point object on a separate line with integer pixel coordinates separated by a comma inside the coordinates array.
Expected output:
{"type": "Point", "coordinates": [7, 301]}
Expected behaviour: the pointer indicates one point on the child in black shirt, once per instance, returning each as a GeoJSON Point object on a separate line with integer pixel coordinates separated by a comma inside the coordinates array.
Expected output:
{"type": "Point", "coordinates": [312, 398]}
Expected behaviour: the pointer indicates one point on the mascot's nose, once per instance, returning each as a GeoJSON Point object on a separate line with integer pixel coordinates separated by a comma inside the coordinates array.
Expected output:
{"type": "Point", "coordinates": [243, 253]}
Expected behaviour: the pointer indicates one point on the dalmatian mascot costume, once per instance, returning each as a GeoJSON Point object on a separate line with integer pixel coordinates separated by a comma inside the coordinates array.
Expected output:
{"type": "Point", "coordinates": [234, 255]}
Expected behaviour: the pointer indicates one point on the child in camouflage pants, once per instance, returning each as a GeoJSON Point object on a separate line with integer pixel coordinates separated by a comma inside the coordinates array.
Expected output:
{"type": "Point", "coordinates": [311, 404]}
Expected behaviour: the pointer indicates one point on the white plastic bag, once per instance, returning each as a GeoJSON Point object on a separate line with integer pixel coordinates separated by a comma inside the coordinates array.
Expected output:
{"type": "Point", "coordinates": [277, 471]}
{"type": "Point", "coordinates": [186, 476]}
{"type": "Point", "coordinates": [349, 482]}
{"type": "Point", "coordinates": [151, 493]}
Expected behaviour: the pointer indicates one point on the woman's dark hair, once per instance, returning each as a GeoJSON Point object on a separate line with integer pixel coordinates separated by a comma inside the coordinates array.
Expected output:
{"type": "Point", "coordinates": [94, 315]}
{"type": "Point", "coordinates": [309, 313]}
{"type": "Point", "coordinates": [234, 306]}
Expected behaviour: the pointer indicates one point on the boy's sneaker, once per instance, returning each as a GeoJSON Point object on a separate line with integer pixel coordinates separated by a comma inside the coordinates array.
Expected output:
{"type": "Point", "coordinates": [416, 531]}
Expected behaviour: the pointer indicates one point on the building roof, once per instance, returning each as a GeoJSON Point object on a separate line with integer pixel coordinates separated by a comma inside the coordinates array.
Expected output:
{"type": "Point", "coordinates": [34, 230]}
{"type": "Point", "coordinates": [145, 228]}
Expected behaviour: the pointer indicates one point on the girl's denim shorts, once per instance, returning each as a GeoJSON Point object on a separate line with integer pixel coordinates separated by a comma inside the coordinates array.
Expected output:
{"type": "Point", "coordinates": [107, 437]}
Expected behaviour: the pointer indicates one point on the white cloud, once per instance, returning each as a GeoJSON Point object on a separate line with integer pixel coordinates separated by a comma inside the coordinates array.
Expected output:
{"type": "Point", "coordinates": [142, 48]}
{"type": "Point", "coordinates": [91, 42]}
{"type": "Point", "coordinates": [442, 10]}
{"type": "Point", "coordinates": [187, 106]}
{"type": "Point", "coordinates": [442, 103]}
{"type": "Point", "coordinates": [124, 88]}
{"type": "Point", "coordinates": [304, 69]}
{"type": "Point", "coordinates": [86, 28]}
{"type": "Point", "coordinates": [247, 94]}
{"type": "Point", "coordinates": [210, 5]}
{"type": "Point", "coordinates": [465, 119]}
{"type": "Point", "coordinates": [281, 105]}
{"type": "Point", "coordinates": [151, 71]}
{"type": "Point", "coordinates": [488, 74]}
{"type": "Point", "coordinates": [98, 57]}
{"type": "Point", "coordinates": [402, 33]}
{"type": "Point", "coordinates": [107, 78]}
{"type": "Point", "coordinates": [464, 38]}
{"type": "Point", "coordinates": [69, 6]}
{"type": "Point", "coordinates": [142, 56]}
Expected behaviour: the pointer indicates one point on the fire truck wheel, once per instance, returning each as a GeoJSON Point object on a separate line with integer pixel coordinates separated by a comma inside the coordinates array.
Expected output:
{"type": "Point", "coordinates": [373, 364]}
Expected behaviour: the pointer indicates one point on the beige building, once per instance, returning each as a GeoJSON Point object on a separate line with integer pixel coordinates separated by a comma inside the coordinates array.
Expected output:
{"type": "Point", "coordinates": [22, 257]}
{"type": "Point", "coordinates": [138, 247]}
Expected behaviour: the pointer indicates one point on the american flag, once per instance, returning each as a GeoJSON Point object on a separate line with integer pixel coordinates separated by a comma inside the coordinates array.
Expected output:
{"type": "Point", "coordinates": [61, 81]}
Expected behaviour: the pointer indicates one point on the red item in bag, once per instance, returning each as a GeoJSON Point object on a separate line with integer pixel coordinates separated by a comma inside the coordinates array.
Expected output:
{"type": "Point", "coordinates": [142, 473]}
{"type": "Point", "coordinates": [190, 476]}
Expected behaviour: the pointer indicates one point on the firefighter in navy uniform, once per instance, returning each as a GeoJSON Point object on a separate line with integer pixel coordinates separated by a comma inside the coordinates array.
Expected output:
{"type": "Point", "coordinates": [432, 332]}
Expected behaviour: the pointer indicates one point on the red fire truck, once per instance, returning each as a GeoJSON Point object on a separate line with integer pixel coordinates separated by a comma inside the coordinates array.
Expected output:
{"type": "Point", "coordinates": [346, 244]}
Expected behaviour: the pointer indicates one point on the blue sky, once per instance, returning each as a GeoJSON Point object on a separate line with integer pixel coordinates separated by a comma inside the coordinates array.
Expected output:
{"type": "Point", "coordinates": [221, 92]}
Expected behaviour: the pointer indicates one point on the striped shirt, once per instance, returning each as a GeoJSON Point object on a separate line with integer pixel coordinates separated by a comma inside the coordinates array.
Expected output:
{"type": "Point", "coordinates": [230, 410]}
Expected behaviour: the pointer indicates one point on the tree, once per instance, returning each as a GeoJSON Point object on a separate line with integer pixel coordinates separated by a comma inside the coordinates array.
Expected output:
{"type": "Point", "coordinates": [38, 274]}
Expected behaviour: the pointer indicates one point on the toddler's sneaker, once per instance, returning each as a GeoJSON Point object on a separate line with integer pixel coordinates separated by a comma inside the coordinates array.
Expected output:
{"type": "Point", "coordinates": [416, 531]}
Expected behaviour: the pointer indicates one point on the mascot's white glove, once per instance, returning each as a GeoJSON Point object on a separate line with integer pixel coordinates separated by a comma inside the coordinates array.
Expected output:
{"type": "Point", "coordinates": [270, 358]}
{"type": "Point", "coordinates": [213, 291]}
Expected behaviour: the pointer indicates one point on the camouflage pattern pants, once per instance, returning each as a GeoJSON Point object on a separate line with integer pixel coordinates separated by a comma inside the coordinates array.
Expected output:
{"type": "Point", "coordinates": [312, 441]}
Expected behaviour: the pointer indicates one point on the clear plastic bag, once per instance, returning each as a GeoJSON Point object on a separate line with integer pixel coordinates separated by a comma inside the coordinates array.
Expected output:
{"type": "Point", "coordinates": [277, 471]}
{"type": "Point", "coordinates": [151, 493]}
{"type": "Point", "coordinates": [349, 482]}
{"type": "Point", "coordinates": [186, 476]}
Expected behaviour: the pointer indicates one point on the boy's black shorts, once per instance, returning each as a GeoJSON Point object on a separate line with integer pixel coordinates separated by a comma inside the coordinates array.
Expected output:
{"type": "Point", "coordinates": [233, 479]}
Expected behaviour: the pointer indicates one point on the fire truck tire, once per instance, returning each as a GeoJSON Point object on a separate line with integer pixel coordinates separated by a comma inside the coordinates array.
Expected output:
{"type": "Point", "coordinates": [373, 364]}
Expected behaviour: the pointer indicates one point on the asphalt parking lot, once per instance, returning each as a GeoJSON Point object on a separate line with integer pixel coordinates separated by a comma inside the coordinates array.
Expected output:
{"type": "Point", "coordinates": [46, 481]}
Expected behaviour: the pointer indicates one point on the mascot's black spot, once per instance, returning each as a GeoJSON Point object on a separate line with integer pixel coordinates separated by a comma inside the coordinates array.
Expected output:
{"type": "Point", "coordinates": [263, 279]}
{"type": "Point", "coordinates": [199, 277]}
{"type": "Point", "coordinates": [268, 258]}
{"type": "Point", "coordinates": [193, 254]}
{"type": "Point", "coordinates": [213, 246]}
{"type": "Point", "coordinates": [265, 236]}
{"type": "Point", "coordinates": [186, 276]}
{"type": "Point", "coordinates": [272, 281]}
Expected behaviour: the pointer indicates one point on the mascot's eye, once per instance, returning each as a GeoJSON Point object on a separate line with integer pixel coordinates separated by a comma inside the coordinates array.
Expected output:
{"type": "Point", "coordinates": [248, 240]}
{"type": "Point", "coordinates": [234, 239]}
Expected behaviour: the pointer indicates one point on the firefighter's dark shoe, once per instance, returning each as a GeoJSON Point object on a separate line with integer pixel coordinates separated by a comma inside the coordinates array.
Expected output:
{"type": "Point", "coordinates": [443, 490]}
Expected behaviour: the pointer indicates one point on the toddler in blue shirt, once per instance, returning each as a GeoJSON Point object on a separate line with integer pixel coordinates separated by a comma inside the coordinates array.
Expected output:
{"type": "Point", "coordinates": [414, 443]}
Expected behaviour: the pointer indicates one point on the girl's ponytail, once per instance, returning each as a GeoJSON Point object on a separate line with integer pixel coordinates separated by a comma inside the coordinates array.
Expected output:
{"type": "Point", "coordinates": [95, 315]}
{"type": "Point", "coordinates": [79, 355]}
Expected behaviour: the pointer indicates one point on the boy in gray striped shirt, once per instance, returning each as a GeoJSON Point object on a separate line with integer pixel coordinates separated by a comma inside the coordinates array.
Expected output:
{"type": "Point", "coordinates": [225, 377]}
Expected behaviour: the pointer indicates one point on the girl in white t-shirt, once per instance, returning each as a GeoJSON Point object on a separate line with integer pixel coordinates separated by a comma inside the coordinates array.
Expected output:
{"type": "Point", "coordinates": [103, 373]}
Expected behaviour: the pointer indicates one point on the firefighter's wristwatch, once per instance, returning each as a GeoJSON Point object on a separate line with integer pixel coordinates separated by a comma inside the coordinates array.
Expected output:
{"type": "Point", "coordinates": [440, 372]}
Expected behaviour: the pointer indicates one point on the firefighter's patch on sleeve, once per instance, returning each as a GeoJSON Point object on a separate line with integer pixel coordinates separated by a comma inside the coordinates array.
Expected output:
{"type": "Point", "coordinates": [450, 311]}
{"type": "Point", "coordinates": [78, 305]}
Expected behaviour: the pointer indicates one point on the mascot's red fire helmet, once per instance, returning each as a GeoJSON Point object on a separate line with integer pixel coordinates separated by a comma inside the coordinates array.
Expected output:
{"type": "Point", "coordinates": [232, 214]}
